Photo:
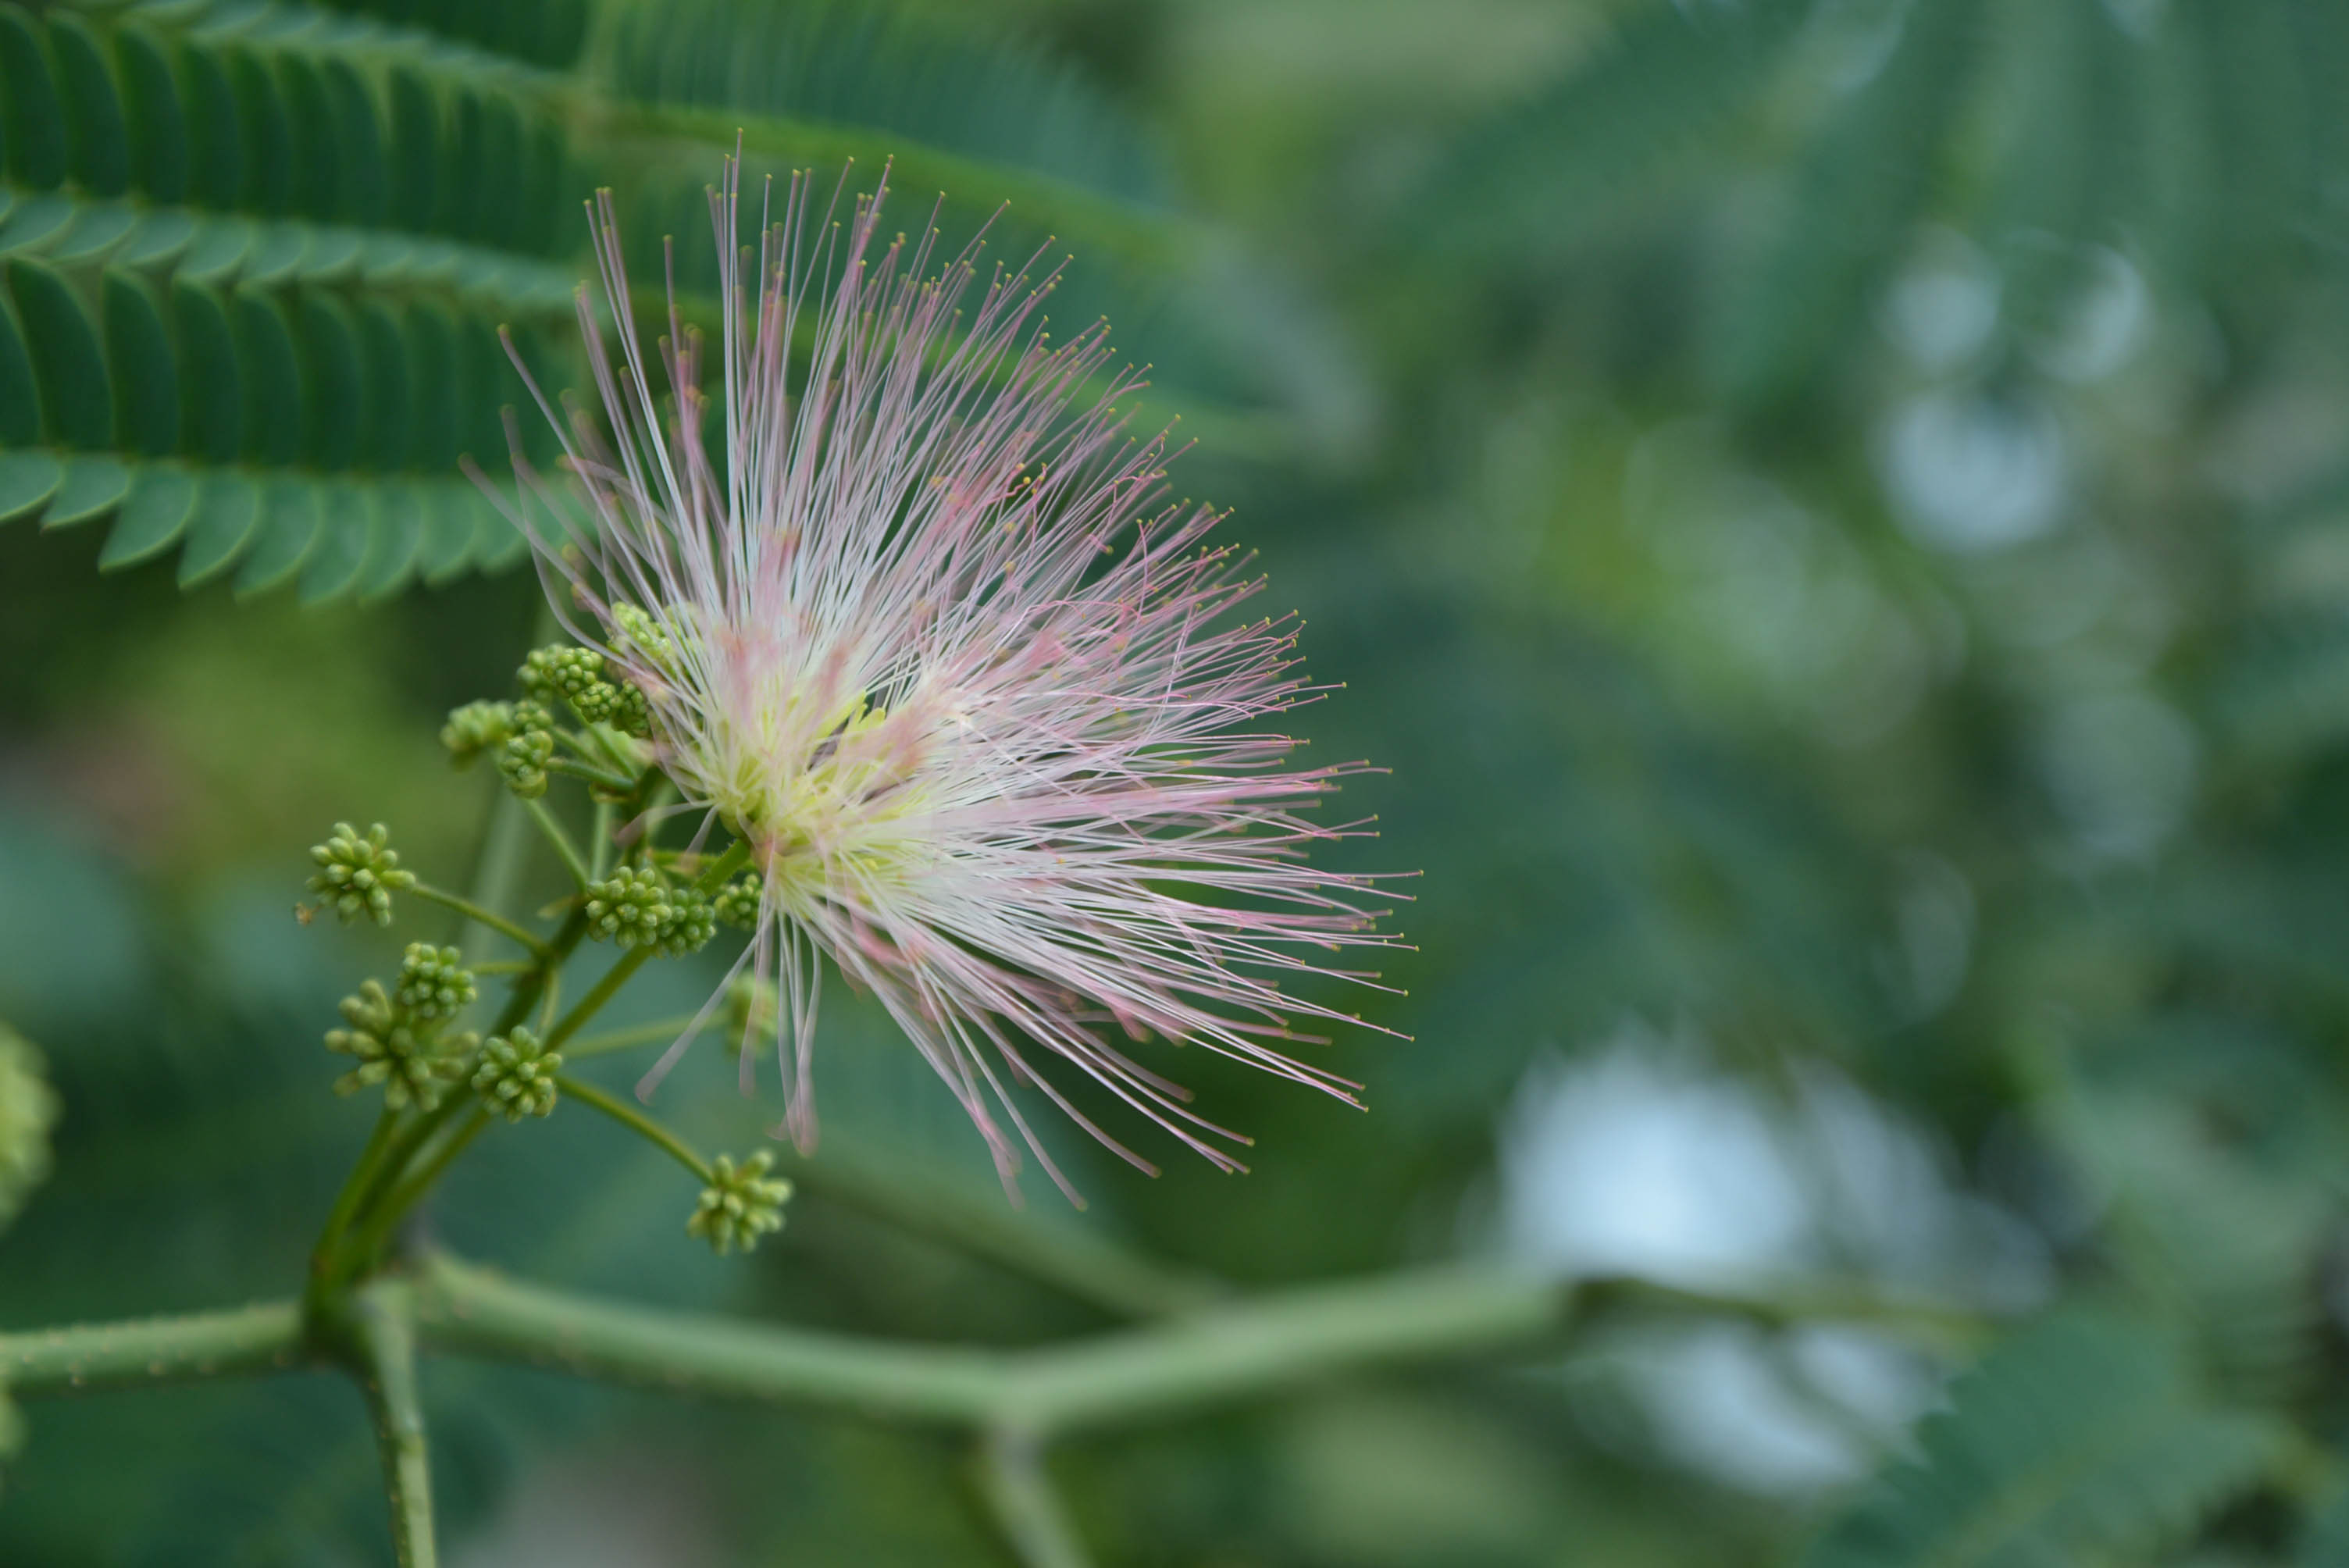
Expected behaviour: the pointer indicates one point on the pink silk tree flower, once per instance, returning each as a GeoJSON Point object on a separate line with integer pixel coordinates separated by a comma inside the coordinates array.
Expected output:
{"type": "Point", "coordinates": [937, 649]}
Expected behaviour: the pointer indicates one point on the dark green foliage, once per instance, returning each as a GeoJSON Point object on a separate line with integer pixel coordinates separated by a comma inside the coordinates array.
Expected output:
{"type": "Point", "coordinates": [2081, 1440]}
{"type": "Point", "coordinates": [828, 64]}
{"type": "Point", "coordinates": [1857, 189]}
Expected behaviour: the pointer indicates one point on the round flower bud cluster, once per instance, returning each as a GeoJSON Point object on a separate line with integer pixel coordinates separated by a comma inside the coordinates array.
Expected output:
{"type": "Point", "coordinates": [737, 903]}
{"type": "Point", "coordinates": [475, 728]}
{"type": "Point", "coordinates": [522, 760]}
{"type": "Point", "coordinates": [740, 1204]}
{"type": "Point", "coordinates": [359, 875]}
{"type": "Point", "coordinates": [691, 923]}
{"type": "Point", "coordinates": [629, 907]}
{"type": "Point", "coordinates": [405, 1054]}
{"type": "Point", "coordinates": [635, 908]}
{"type": "Point", "coordinates": [28, 1108]}
{"type": "Point", "coordinates": [434, 983]}
{"type": "Point", "coordinates": [516, 1074]}
{"type": "Point", "coordinates": [645, 635]}
{"type": "Point", "coordinates": [577, 675]}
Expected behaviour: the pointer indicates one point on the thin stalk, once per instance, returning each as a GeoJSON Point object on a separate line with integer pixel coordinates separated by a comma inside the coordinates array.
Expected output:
{"type": "Point", "coordinates": [1064, 1254]}
{"type": "Point", "coordinates": [572, 860]}
{"type": "Point", "coordinates": [1026, 1510]}
{"type": "Point", "coordinates": [363, 1176]}
{"type": "Point", "coordinates": [617, 975]}
{"type": "Point", "coordinates": [713, 875]}
{"type": "Point", "coordinates": [600, 847]}
{"type": "Point", "coordinates": [636, 1122]}
{"type": "Point", "coordinates": [385, 1342]}
{"type": "Point", "coordinates": [403, 1197]}
{"type": "Point", "coordinates": [419, 1133]}
{"type": "Point", "coordinates": [652, 1034]}
{"type": "Point", "coordinates": [550, 1001]}
{"type": "Point", "coordinates": [473, 912]}
{"type": "Point", "coordinates": [268, 1337]}
{"type": "Point", "coordinates": [505, 845]}
{"type": "Point", "coordinates": [574, 769]}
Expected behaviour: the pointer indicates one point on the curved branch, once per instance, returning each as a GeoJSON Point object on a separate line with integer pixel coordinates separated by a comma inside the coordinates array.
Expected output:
{"type": "Point", "coordinates": [1019, 1497]}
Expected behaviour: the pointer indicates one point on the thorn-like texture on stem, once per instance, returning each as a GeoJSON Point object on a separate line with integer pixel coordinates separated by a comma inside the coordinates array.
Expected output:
{"type": "Point", "coordinates": [383, 1337]}
{"type": "Point", "coordinates": [937, 647]}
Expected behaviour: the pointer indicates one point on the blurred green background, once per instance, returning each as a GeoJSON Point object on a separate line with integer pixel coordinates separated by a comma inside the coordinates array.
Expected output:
{"type": "Point", "coordinates": [1835, 512]}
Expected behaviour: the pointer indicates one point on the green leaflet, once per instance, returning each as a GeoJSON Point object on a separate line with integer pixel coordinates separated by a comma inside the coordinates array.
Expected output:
{"type": "Point", "coordinates": [254, 258]}
{"type": "Point", "coordinates": [138, 357]}
{"type": "Point", "coordinates": [34, 120]}
{"type": "Point", "coordinates": [1861, 184]}
{"type": "Point", "coordinates": [153, 517]}
{"type": "Point", "coordinates": [96, 139]}
{"type": "Point", "coordinates": [68, 368]}
{"type": "Point", "coordinates": [158, 125]}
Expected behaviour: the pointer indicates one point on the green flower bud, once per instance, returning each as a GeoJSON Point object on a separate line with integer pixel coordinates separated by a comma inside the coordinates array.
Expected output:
{"type": "Point", "coordinates": [581, 677]}
{"type": "Point", "coordinates": [737, 903]}
{"type": "Point", "coordinates": [516, 1074]}
{"type": "Point", "coordinates": [407, 1057]}
{"type": "Point", "coordinates": [739, 1205]}
{"type": "Point", "coordinates": [691, 925]}
{"type": "Point", "coordinates": [533, 717]}
{"type": "Point", "coordinates": [28, 1108]}
{"type": "Point", "coordinates": [645, 635]}
{"type": "Point", "coordinates": [434, 983]}
{"type": "Point", "coordinates": [522, 760]}
{"type": "Point", "coordinates": [630, 907]}
{"type": "Point", "coordinates": [359, 875]}
{"type": "Point", "coordinates": [630, 715]}
{"type": "Point", "coordinates": [474, 728]}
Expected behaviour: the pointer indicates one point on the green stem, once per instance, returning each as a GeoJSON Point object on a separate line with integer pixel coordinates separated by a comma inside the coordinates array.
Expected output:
{"type": "Point", "coordinates": [1026, 1508]}
{"type": "Point", "coordinates": [572, 769]}
{"type": "Point", "coordinates": [475, 912]}
{"type": "Point", "coordinates": [403, 1197]}
{"type": "Point", "coordinates": [1062, 1255]}
{"type": "Point", "coordinates": [617, 975]}
{"type": "Point", "coordinates": [636, 1122]}
{"type": "Point", "coordinates": [354, 1188]}
{"type": "Point", "coordinates": [1242, 1351]}
{"type": "Point", "coordinates": [650, 1034]}
{"type": "Point", "coordinates": [379, 1185]}
{"type": "Point", "coordinates": [505, 845]}
{"type": "Point", "coordinates": [265, 1337]}
{"type": "Point", "coordinates": [564, 847]}
{"type": "Point", "coordinates": [714, 875]}
{"type": "Point", "coordinates": [385, 1341]}
{"type": "Point", "coordinates": [600, 847]}
{"type": "Point", "coordinates": [1245, 1350]}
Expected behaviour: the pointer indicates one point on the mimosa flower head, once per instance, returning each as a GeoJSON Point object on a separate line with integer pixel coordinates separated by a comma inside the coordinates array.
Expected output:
{"type": "Point", "coordinates": [936, 647]}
